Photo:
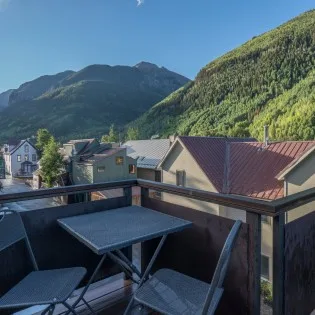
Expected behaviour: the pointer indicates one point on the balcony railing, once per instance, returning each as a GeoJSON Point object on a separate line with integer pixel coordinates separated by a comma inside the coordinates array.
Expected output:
{"type": "Point", "coordinates": [193, 252]}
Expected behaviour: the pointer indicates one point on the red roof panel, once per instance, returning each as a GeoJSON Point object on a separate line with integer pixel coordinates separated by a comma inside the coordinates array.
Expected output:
{"type": "Point", "coordinates": [245, 168]}
{"type": "Point", "coordinates": [254, 167]}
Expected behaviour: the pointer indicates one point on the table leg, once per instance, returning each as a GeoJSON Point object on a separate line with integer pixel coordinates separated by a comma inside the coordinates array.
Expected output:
{"type": "Point", "coordinates": [130, 264]}
{"type": "Point", "coordinates": [123, 265]}
{"type": "Point", "coordinates": [88, 284]}
{"type": "Point", "coordinates": [147, 271]}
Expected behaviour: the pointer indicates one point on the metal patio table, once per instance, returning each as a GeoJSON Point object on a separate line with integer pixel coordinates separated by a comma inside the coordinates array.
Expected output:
{"type": "Point", "coordinates": [106, 233]}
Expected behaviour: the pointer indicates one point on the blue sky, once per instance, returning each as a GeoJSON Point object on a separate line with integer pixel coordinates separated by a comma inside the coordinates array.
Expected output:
{"type": "Point", "coordinates": [40, 37]}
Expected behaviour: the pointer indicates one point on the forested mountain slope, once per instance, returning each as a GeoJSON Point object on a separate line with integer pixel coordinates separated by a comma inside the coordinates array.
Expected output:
{"type": "Point", "coordinates": [269, 79]}
{"type": "Point", "coordinates": [85, 103]}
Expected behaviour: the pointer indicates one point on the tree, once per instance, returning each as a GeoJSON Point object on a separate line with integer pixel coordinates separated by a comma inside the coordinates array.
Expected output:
{"type": "Point", "coordinates": [43, 138]}
{"type": "Point", "coordinates": [51, 163]}
{"type": "Point", "coordinates": [133, 133]}
{"type": "Point", "coordinates": [112, 135]}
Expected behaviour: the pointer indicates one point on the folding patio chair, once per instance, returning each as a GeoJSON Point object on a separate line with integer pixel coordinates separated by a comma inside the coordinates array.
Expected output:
{"type": "Point", "coordinates": [172, 293]}
{"type": "Point", "coordinates": [48, 287]}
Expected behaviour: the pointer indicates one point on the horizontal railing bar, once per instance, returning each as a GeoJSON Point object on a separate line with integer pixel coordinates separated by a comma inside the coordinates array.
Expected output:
{"type": "Point", "coordinates": [66, 190]}
{"type": "Point", "coordinates": [238, 202]}
{"type": "Point", "coordinates": [269, 208]}
{"type": "Point", "coordinates": [294, 201]}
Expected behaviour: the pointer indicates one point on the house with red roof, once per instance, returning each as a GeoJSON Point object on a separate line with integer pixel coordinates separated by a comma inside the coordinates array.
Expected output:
{"type": "Point", "coordinates": [243, 167]}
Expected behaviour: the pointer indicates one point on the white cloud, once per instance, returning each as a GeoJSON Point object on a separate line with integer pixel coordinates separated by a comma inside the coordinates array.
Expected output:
{"type": "Point", "coordinates": [4, 4]}
{"type": "Point", "coordinates": [139, 2]}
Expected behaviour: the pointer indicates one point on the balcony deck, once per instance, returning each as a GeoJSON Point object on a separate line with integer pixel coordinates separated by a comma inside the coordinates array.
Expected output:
{"type": "Point", "coordinates": [293, 248]}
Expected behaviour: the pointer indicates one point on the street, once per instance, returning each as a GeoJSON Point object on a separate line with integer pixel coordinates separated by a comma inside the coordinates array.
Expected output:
{"type": "Point", "coordinates": [12, 185]}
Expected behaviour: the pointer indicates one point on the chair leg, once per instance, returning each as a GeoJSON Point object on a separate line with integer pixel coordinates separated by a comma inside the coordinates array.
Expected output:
{"type": "Point", "coordinates": [70, 308]}
{"type": "Point", "coordinates": [146, 273]}
{"type": "Point", "coordinates": [88, 306]}
{"type": "Point", "coordinates": [88, 284]}
{"type": "Point", "coordinates": [51, 310]}
{"type": "Point", "coordinates": [47, 309]}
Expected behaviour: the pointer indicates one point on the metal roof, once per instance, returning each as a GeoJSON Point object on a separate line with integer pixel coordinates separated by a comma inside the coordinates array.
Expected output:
{"type": "Point", "coordinates": [210, 154]}
{"type": "Point", "coordinates": [242, 167]}
{"type": "Point", "coordinates": [253, 167]}
{"type": "Point", "coordinates": [100, 156]}
{"type": "Point", "coordinates": [148, 153]}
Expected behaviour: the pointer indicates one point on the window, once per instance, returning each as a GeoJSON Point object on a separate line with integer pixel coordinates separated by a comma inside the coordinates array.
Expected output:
{"type": "Point", "coordinates": [119, 160]}
{"type": "Point", "coordinates": [101, 169]}
{"type": "Point", "coordinates": [26, 157]}
{"type": "Point", "coordinates": [5, 149]}
{"type": "Point", "coordinates": [180, 178]}
{"type": "Point", "coordinates": [132, 169]}
{"type": "Point", "coordinates": [34, 157]}
{"type": "Point", "coordinates": [26, 148]}
{"type": "Point", "coordinates": [19, 158]}
{"type": "Point", "coordinates": [265, 267]}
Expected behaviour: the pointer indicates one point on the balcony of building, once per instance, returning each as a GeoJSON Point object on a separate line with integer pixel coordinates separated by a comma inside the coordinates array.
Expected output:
{"type": "Point", "coordinates": [194, 251]}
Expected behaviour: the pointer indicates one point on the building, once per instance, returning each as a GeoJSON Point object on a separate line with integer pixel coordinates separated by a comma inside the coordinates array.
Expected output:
{"type": "Point", "coordinates": [89, 161]}
{"type": "Point", "coordinates": [148, 154]}
{"type": "Point", "coordinates": [20, 158]}
{"type": "Point", "coordinates": [264, 171]}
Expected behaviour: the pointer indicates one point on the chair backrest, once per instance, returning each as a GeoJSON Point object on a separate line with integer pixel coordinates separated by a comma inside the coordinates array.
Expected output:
{"type": "Point", "coordinates": [12, 230]}
{"type": "Point", "coordinates": [222, 265]}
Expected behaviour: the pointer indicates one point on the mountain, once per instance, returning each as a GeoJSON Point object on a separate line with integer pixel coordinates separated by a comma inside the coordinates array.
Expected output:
{"type": "Point", "coordinates": [4, 98]}
{"type": "Point", "coordinates": [268, 80]}
{"type": "Point", "coordinates": [85, 103]}
{"type": "Point", "coordinates": [33, 89]}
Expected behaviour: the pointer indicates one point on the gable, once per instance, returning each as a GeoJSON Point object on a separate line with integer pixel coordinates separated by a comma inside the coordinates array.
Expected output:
{"type": "Point", "coordinates": [179, 158]}
{"type": "Point", "coordinates": [302, 176]}
{"type": "Point", "coordinates": [22, 143]}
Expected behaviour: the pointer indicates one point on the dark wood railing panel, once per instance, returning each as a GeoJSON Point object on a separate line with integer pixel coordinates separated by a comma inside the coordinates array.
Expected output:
{"type": "Point", "coordinates": [14, 265]}
{"type": "Point", "coordinates": [196, 251]}
{"type": "Point", "coordinates": [299, 266]}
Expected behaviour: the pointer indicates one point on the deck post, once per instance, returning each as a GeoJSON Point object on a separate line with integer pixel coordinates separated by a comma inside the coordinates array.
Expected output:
{"type": "Point", "coordinates": [144, 194]}
{"type": "Point", "coordinates": [254, 222]}
{"type": "Point", "coordinates": [278, 265]}
{"type": "Point", "coordinates": [128, 195]}
{"type": "Point", "coordinates": [129, 254]}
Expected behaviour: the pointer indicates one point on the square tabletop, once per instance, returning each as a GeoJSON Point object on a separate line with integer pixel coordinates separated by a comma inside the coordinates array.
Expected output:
{"type": "Point", "coordinates": [114, 229]}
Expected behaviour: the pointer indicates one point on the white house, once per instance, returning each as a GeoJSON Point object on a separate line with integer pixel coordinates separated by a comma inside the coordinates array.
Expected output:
{"type": "Point", "coordinates": [21, 158]}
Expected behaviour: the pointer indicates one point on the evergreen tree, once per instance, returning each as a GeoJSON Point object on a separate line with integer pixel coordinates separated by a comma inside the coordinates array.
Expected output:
{"type": "Point", "coordinates": [133, 134]}
{"type": "Point", "coordinates": [113, 135]}
{"type": "Point", "coordinates": [43, 138]}
{"type": "Point", "coordinates": [51, 163]}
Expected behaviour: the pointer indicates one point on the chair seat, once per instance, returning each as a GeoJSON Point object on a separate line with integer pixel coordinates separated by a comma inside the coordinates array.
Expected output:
{"type": "Point", "coordinates": [43, 287]}
{"type": "Point", "coordinates": [173, 293]}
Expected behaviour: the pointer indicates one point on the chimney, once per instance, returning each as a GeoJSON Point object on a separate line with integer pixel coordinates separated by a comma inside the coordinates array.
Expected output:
{"type": "Point", "coordinates": [172, 138]}
{"type": "Point", "coordinates": [266, 135]}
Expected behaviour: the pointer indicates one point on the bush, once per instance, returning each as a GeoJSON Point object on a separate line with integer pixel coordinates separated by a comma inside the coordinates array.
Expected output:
{"type": "Point", "coordinates": [266, 292]}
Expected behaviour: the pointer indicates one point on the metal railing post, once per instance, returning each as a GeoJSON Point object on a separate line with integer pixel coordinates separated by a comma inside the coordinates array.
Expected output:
{"type": "Point", "coordinates": [128, 195]}
{"type": "Point", "coordinates": [254, 222]}
{"type": "Point", "coordinates": [278, 265]}
{"type": "Point", "coordinates": [144, 195]}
